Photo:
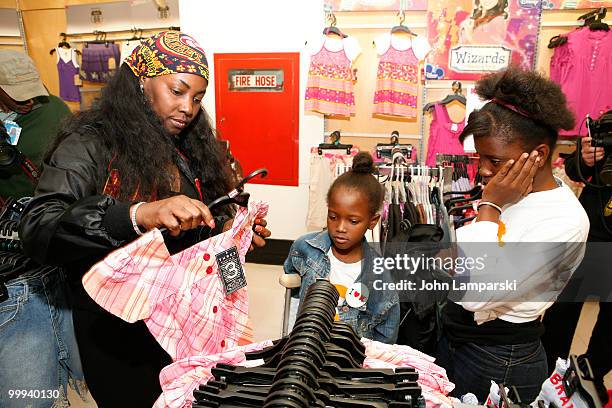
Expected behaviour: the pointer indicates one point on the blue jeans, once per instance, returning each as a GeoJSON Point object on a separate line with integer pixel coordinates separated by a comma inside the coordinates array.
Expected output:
{"type": "Point", "coordinates": [39, 357]}
{"type": "Point", "coordinates": [472, 367]}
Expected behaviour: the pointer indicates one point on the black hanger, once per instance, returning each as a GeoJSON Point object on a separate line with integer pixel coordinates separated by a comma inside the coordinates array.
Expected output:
{"type": "Point", "coordinates": [459, 208]}
{"type": "Point", "coordinates": [464, 220]}
{"type": "Point", "coordinates": [8, 229]}
{"type": "Point", "coordinates": [393, 141]}
{"type": "Point", "coordinates": [237, 195]}
{"type": "Point", "coordinates": [62, 44]}
{"type": "Point", "coordinates": [136, 34]}
{"type": "Point", "coordinates": [557, 40]}
{"type": "Point", "coordinates": [593, 19]}
{"type": "Point", "coordinates": [335, 144]}
{"type": "Point", "coordinates": [401, 28]}
{"type": "Point", "coordinates": [394, 146]}
{"type": "Point", "coordinates": [472, 194]}
{"type": "Point", "coordinates": [345, 329]}
{"type": "Point", "coordinates": [455, 96]}
{"type": "Point", "coordinates": [311, 370]}
{"type": "Point", "coordinates": [100, 39]}
{"type": "Point", "coordinates": [332, 29]}
{"type": "Point", "coordinates": [445, 159]}
{"type": "Point", "coordinates": [579, 378]}
{"type": "Point", "coordinates": [593, 15]}
{"type": "Point", "coordinates": [599, 26]}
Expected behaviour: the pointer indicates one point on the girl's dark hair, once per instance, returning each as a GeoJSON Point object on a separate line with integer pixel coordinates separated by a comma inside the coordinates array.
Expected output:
{"type": "Point", "coordinates": [360, 178]}
{"type": "Point", "coordinates": [541, 106]}
{"type": "Point", "coordinates": [132, 136]}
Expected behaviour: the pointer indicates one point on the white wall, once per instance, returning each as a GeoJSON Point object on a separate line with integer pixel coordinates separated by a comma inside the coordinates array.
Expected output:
{"type": "Point", "coordinates": [120, 16]}
{"type": "Point", "coordinates": [264, 26]}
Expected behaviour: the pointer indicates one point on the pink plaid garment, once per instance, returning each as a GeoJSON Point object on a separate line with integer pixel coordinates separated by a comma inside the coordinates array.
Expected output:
{"type": "Point", "coordinates": [431, 376]}
{"type": "Point", "coordinates": [180, 297]}
{"type": "Point", "coordinates": [179, 379]}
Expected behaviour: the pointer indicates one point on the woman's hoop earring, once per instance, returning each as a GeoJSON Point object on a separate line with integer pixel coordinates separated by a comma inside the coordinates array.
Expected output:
{"type": "Point", "coordinates": [141, 88]}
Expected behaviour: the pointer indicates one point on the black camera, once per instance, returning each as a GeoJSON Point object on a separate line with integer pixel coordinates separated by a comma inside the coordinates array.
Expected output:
{"type": "Point", "coordinates": [600, 131]}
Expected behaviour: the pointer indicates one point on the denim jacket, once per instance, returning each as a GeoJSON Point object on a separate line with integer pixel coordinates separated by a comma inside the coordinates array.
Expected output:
{"type": "Point", "coordinates": [379, 319]}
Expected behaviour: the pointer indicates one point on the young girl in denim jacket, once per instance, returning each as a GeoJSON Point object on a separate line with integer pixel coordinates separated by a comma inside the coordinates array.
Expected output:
{"type": "Point", "coordinates": [342, 255]}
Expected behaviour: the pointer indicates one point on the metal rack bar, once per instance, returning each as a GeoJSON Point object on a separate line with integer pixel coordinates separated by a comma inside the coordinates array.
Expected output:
{"type": "Point", "coordinates": [24, 41]}
{"type": "Point", "coordinates": [376, 135]}
{"type": "Point", "coordinates": [126, 30]}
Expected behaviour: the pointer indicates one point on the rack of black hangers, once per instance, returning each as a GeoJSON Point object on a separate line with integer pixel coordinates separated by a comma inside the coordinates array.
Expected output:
{"type": "Point", "coordinates": [319, 364]}
{"type": "Point", "coordinates": [12, 260]}
{"type": "Point", "coordinates": [442, 158]}
{"type": "Point", "coordinates": [9, 238]}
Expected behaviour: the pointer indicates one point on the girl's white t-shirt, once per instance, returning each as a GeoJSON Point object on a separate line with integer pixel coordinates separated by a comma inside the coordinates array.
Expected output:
{"type": "Point", "coordinates": [342, 274]}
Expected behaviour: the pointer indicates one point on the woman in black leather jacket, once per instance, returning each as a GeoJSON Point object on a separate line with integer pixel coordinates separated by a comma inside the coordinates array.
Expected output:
{"type": "Point", "coordinates": [144, 157]}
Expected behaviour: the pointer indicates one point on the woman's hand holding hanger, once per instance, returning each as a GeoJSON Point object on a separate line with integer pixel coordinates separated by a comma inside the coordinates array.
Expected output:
{"type": "Point", "coordinates": [260, 235]}
{"type": "Point", "coordinates": [178, 213]}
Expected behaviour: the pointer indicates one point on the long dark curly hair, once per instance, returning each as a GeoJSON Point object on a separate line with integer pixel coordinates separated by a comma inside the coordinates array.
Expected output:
{"type": "Point", "coordinates": [141, 149]}
{"type": "Point", "coordinates": [540, 99]}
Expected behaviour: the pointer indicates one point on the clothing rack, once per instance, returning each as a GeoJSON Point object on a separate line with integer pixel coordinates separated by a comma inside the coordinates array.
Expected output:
{"type": "Point", "coordinates": [133, 30]}
{"type": "Point", "coordinates": [413, 183]}
{"type": "Point", "coordinates": [9, 214]}
{"type": "Point", "coordinates": [413, 136]}
{"type": "Point", "coordinates": [12, 260]}
{"type": "Point", "coordinates": [382, 169]}
{"type": "Point", "coordinates": [452, 158]}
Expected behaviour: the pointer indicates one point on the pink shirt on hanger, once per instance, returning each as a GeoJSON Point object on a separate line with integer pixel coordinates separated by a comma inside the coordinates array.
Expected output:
{"type": "Point", "coordinates": [583, 69]}
{"type": "Point", "coordinates": [180, 297]}
{"type": "Point", "coordinates": [443, 135]}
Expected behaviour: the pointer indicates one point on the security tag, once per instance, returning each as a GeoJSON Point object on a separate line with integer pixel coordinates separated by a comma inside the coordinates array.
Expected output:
{"type": "Point", "coordinates": [230, 270]}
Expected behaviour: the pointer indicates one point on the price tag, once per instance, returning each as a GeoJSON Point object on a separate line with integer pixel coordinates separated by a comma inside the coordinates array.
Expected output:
{"type": "Point", "coordinates": [230, 270]}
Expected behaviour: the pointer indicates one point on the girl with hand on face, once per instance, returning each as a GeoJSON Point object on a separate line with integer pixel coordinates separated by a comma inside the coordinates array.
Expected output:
{"type": "Point", "coordinates": [491, 338]}
{"type": "Point", "coordinates": [342, 255]}
{"type": "Point", "coordinates": [145, 156]}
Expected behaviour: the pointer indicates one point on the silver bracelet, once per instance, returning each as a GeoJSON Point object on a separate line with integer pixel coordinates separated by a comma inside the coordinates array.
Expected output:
{"type": "Point", "coordinates": [490, 204]}
{"type": "Point", "coordinates": [133, 217]}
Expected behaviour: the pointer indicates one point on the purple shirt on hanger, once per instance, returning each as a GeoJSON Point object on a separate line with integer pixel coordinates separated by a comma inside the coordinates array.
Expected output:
{"type": "Point", "coordinates": [94, 61]}
{"type": "Point", "coordinates": [66, 71]}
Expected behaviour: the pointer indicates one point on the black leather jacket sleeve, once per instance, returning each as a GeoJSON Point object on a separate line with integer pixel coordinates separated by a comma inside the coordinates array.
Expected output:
{"type": "Point", "coordinates": [68, 220]}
